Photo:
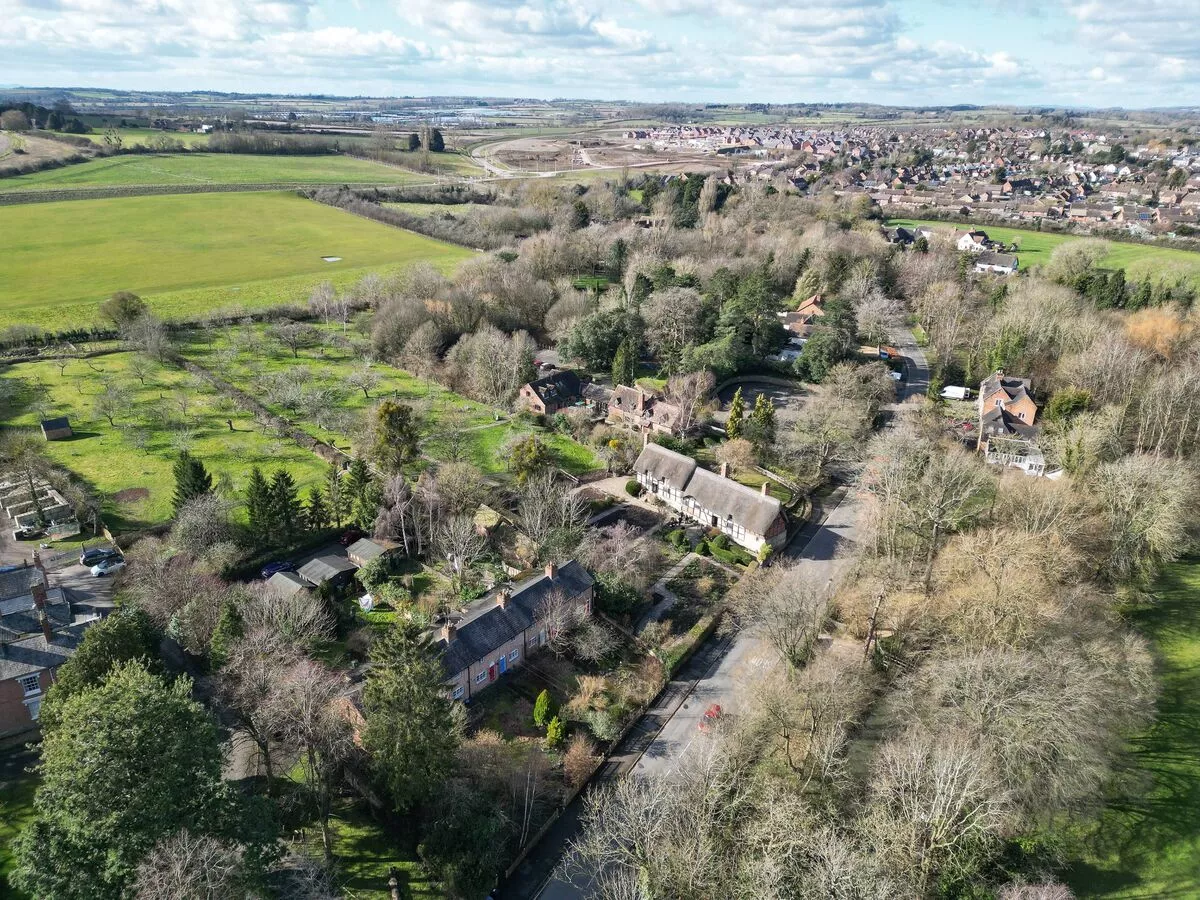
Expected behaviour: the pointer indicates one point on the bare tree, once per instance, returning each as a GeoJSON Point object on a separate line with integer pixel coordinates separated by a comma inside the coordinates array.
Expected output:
{"type": "Point", "coordinates": [621, 551]}
{"type": "Point", "coordinates": [460, 545]}
{"type": "Point", "coordinates": [318, 723]}
{"type": "Point", "coordinates": [250, 685]}
{"type": "Point", "coordinates": [934, 805]}
{"type": "Point", "coordinates": [787, 607]}
{"type": "Point", "coordinates": [673, 322]}
{"type": "Point", "coordinates": [738, 454]}
{"type": "Point", "coordinates": [187, 866]}
{"type": "Point", "coordinates": [115, 400]}
{"type": "Point", "coordinates": [364, 379]}
{"type": "Point", "coordinates": [294, 336]}
{"type": "Point", "coordinates": [693, 394]}
{"type": "Point", "coordinates": [562, 616]}
{"type": "Point", "coordinates": [546, 506]}
{"type": "Point", "coordinates": [140, 369]}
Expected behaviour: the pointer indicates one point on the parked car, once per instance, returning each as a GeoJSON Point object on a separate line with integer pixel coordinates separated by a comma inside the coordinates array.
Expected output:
{"type": "Point", "coordinates": [95, 555]}
{"type": "Point", "coordinates": [280, 566]}
{"type": "Point", "coordinates": [349, 536]}
{"type": "Point", "coordinates": [711, 717]}
{"type": "Point", "coordinates": [107, 567]}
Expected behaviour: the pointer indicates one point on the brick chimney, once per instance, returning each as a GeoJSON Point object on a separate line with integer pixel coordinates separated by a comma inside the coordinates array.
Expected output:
{"type": "Point", "coordinates": [551, 570]}
{"type": "Point", "coordinates": [449, 632]}
{"type": "Point", "coordinates": [724, 470]}
{"type": "Point", "coordinates": [764, 489]}
{"type": "Point", "coordinates": [641, 403]}
{"type": "Point", "coordinates": [503, 597]}
{"type": "Point", "coordinates": [44, 621]}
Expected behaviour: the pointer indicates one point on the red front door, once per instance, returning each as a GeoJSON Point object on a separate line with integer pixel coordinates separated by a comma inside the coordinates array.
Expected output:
{"type": "Point", "coordinates": [492, 672]}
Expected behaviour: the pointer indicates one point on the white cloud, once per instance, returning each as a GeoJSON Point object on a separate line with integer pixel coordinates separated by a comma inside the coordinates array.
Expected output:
{"type": "Point", "coordinates": [638, 49]}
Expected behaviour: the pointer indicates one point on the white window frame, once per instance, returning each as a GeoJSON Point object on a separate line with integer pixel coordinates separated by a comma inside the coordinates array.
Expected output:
{"type": "Point", "coordinates": [481, 677]}
{"type": "Point", "coordinates": [26, 680]}
{"type": "Point", "coordinates": [457, 693]}
{"type": "Point", "coordinates": [514, 655]}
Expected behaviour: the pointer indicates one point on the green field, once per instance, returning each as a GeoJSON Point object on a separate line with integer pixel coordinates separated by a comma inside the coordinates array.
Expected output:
{"type": "Point", "coordinates": [135, 483]}
{"type": "Point", "coordinates": [212, 168]}
{"type": "Point", "coordinates": [433, 210]}
{"type": "Point", "coordinates": [1138, 260]}
{"type": "Point", "coordinates": [190, 254]}
{"type": "Point", "coordinates": [142, 136]}
{"type": "Point", "coordinates": [1149, 845]}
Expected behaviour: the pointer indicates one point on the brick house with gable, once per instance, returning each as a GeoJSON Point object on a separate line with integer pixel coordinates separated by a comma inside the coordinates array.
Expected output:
{"type": "Point", "coordinates": [499, 632]}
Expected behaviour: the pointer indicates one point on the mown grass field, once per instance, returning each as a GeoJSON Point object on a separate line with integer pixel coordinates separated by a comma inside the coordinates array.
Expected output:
{"type": "Point", "coordinates": [1149, 845]}
{"type": "Point", "coordinates": [212, 168]}
{"type": "Point", "coordinates": [135, 482]}
{"type": "Point", "coordinates": [142, 136]}
{"type": "Point", "coordinates": [1138, 260]}
{"type": "Point", "coordinates": [189, 254]}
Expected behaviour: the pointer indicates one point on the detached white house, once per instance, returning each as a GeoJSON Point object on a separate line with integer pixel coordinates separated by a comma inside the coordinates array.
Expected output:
{"type": "Point", "coordinates": [996, 263]}
{"type": "Point", "coordinates": [751, 518]}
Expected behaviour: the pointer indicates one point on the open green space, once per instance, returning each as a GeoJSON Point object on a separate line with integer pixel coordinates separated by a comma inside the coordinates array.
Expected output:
{"type": "Point", "coordinates": [248, 357]}
{"type": "Point", "coordinates": [1034, 248]}
{"type": "Point", "coordinates": [212, 168]}
{"type": "Point", "coordinates": [190, 254]}
{"type": "Point", "coordinates": [132, 137]}
{"type": "Point", "coordinates": [433, 210]}
{"type": "Point", "coordinates": [1148, 845]}
{"type": "Point", "coordinates": [129, 464]}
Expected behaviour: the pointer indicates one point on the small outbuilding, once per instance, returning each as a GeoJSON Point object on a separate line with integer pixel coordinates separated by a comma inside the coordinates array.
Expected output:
{"type": "Point", "coordinates": [57, 429]}
{"type": "Point", "coordinates": [335, 570]}
{"type": "Point", "coordinates": [365, 550]}
{"type": "Point", "coordinates": [286, 585]}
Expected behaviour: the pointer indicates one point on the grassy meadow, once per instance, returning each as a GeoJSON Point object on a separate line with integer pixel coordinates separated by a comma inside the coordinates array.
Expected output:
{"type": "Point", "coordinates": [1148, 845]}
{"type": "Point", "coordinates": [212, 168]}
{"type": "Point", "coordinates": [249, 358]}
{"type": "Point", "coordinates": [190, 254]}
{"type": "Point", "coordinates": [1138, 260]}
{"type": "Point", "coordinates": [129, 465]}
{"type": "Point", "coordinates": [140, 137]}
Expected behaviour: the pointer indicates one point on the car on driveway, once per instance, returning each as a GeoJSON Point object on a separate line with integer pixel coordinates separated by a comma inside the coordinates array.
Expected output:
{"type": "Point", "coordinates": [280, 566]}
{"type": "Point", "coordinates": [711, 717]}
{"type": "Point", "coordinates": [350, 536]}
{"type": "Point", "coordinates": [95, 555]}
{"type": "Point", "coordinates": [107, 567]}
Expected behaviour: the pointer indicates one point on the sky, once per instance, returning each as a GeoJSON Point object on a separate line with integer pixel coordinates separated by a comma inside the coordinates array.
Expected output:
{"type": "Point", "coordinates": [1132, 53]}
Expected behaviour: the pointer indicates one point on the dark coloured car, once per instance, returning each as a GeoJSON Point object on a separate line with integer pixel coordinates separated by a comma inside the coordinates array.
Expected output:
{"type": "Point", "coordinates": [350, 536]}
{"type": "Point", "coordinates": [97, 555]}
{"type": "Point", "coordinates": [275, 567]}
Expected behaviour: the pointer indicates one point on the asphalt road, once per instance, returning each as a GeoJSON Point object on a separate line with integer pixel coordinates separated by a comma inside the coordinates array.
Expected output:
{"type": "Point", "coordinates": [714, 675]}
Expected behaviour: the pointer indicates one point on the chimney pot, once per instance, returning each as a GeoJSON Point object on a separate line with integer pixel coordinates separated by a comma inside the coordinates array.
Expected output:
{"type": "Point", "coordinates": [724, 470]}
{"type": "Point", "coordinates": [551, 570]}
{"type": "Point", "coordinates": [449, 632]}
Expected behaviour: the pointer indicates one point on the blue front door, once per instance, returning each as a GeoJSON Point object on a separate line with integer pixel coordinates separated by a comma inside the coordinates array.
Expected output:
{"type": "Point", "coordinates": [503, 663]}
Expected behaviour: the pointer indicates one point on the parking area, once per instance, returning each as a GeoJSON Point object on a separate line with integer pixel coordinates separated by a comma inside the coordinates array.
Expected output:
{"type": "Point", "coordinates": [788, 400]}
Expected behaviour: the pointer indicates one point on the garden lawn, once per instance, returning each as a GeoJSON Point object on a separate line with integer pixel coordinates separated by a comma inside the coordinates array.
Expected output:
{"type": "Point", "coordinates": [136, 485]}
{"type": "Point", "coordinates": [1138, 260]}
{"type": "Point", "coordinates": [1149, 845]}
{"type": "Point", "coordinates": [190, 255]}
{"type": "Point", "coordinates": [190, 168]}
{"type": "Point", "coordinates": [487, 449]}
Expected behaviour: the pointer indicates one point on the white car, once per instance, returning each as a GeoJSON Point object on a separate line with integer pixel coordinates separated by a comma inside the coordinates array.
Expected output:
{"type": "Point", "coordinates": [107, 567]}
